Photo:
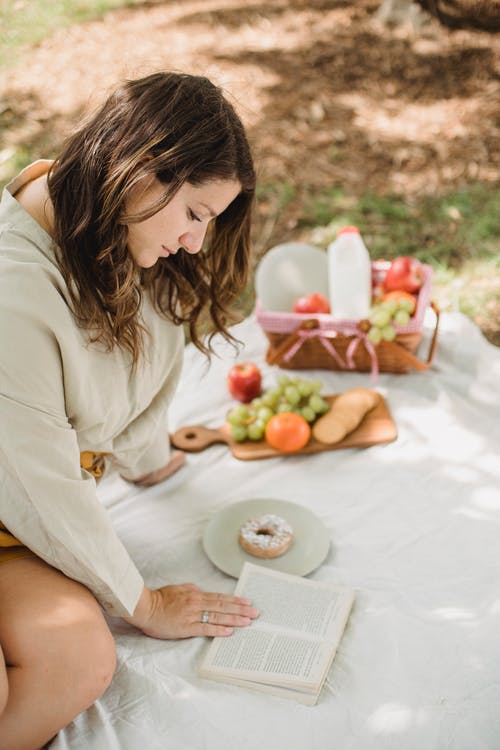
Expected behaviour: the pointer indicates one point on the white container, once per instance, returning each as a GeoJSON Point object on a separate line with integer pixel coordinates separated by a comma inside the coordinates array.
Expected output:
{"type": "Point", "coordinates": [289, 271]}
{"type": "Point", "coordinates": [349, 276]}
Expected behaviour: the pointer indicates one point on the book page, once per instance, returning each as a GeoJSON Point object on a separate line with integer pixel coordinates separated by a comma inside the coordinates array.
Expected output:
{"type": "Point", "coordinates": [290, 602]}
{"type": "Point", "coordinates": [256, 651]}
{"type": "Point", "coordinates": [307, 697]}
{"type": "Point", "coordinates": [294, 639]}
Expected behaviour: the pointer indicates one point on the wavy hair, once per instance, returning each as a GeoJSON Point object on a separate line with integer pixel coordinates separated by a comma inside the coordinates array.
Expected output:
{"type": "Point", "coordinates": [178, 128]}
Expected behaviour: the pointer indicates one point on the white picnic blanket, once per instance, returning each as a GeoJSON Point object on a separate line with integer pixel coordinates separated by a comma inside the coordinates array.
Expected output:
{"type": "Point", "coordinates": [415, 530]}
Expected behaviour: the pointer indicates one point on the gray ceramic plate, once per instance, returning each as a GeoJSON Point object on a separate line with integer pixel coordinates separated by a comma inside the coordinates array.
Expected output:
{"type": "Point", "coordinates": [309, 548]}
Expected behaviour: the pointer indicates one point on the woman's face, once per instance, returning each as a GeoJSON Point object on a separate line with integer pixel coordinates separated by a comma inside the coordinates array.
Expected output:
{"type": "Point", "coordinates": [181, 224]}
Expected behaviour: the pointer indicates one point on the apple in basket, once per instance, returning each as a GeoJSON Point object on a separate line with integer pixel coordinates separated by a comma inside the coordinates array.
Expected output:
{"type": "Point", "coordinates": [312, 303]}
{"type": "Point", "coordinates": [404, 274]}
{"type": "Point", "coordinates": [244, 381]}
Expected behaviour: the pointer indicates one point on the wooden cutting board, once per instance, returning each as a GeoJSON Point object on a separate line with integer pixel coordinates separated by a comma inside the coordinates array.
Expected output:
{"type": "Point", "coordinates": [377, 427]}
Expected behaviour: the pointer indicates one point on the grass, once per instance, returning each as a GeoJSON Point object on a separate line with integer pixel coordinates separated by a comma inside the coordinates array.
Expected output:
{"type": "Point", "coordinates": [24, 22]}
{"type": "Point", "coordinates": [442, 230]}
{"type": "Point", "coordinates": [456, 232]}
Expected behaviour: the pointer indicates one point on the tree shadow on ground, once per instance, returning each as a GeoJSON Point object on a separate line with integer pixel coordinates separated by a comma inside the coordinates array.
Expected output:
{"type": "Point", "coordinates": [342, 101]}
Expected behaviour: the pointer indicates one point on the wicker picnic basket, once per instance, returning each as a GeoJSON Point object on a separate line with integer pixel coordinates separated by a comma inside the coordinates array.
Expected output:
{"type": "Point", "coordinates": [302, 341]}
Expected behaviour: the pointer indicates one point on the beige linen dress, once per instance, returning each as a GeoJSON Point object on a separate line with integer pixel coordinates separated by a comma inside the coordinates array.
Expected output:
{"type": "Point", "coordinates": [60, 395]}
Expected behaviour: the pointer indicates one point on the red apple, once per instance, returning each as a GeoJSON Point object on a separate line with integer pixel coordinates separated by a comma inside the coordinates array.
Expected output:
{"type": "Point", "coordinates": [244, 382]}
{"type": "Point", "coordinates": [312, 303]}
{"type": "Point", "coordinates": [404, 274]}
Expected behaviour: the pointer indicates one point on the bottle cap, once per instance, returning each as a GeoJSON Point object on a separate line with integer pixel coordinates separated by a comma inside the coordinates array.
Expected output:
{"type": "Point", "coordinates": [347, 230]}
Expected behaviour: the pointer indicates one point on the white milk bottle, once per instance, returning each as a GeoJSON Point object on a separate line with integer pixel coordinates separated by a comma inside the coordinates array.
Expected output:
{"type": "Point", "coordinates": [349, 276]}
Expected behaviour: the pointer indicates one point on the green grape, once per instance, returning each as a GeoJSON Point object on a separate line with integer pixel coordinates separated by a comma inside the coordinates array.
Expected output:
{"type": "Point", "coordinates": [402, 318]}
{"type": "Point", "coordinates": [388, 333]}
{"type": "Point", "coordinates": [325, 406]}
{"type": "Point", "coordinates": [305, 388]}
{"type": "Point", "coordinates": [380, 317]}
{"type": "Point", "coordinates": [302, 396]}
{"type": "Point", "coordinates": [308, 413]}
{"type": "Point", "coordinates": [390, 305]}
{"type": "Point", "coordinates": [283, 380]}
{"type": "Point", "coordinates": [256, 403]}
{"type": "Point", "coordinates": [292, 395]}
{"type": "Point", "coordinates": [404, 303]}
{"type": "Point", "coordinates": [315, 403]}
{"type": "Point", "coordinates": [264, 414]}
{"type": "Point", "coordinates": [238, 415]}
{"type": "Point", "coordinates": [239, 433]}
{"type": "Point", "coordinates": [233, 418]}
{"type": "Point", "coordinates": [318, 404]}
{"type": "Point", "coordinates": [375, 335]}
{"type": "Point", "coordinates": [271, 397]}
{"type": "Point", "coordinates": [256, 430]}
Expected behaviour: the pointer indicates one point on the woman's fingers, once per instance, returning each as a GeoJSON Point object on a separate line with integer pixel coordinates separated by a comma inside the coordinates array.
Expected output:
{"type": "Point", "coordinates": [213, 631]}
{"type": "Point", "coordinates": [224, 613]}
{"type": "Point", "coordinates": [181, 611]}
{"type": "Point", "coordinates": [219, 624]}
{"type": "Point", "coordinates": [229, 605]}
{"type": "Point", "coordinates": [229, 620]}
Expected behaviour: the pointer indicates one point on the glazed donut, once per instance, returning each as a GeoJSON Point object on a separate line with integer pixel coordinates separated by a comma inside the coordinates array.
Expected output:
{"type": "Point", "coordinates": [266, 536]}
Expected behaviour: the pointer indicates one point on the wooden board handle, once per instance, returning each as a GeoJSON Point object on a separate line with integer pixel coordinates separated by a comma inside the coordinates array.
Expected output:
{"type": "Point", "coordinates": [196, 438]}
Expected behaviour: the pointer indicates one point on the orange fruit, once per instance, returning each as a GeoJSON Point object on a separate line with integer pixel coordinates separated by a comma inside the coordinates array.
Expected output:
{"type": "Point", "coordinates": [287, 432]}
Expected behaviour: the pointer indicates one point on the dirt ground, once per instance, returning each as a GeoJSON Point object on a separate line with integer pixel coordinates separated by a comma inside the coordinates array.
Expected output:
{"type": "Point", "coordinates": [330, 96]}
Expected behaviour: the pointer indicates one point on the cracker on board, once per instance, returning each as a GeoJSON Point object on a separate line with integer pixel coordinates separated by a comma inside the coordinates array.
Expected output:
{"type": "Point", "coordinates": [347, 412]}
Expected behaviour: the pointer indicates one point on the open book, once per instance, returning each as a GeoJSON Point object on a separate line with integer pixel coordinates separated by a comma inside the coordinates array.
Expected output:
{"type": "Point", "coordinates": [288, 650]}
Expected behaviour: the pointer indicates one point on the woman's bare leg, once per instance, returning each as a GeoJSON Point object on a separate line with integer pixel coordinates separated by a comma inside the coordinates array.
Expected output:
{"type": "Point", "coordinates": [58, 652]}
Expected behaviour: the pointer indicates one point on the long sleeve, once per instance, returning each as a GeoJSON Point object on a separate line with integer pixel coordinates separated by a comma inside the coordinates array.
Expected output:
{"type": "Point", "coordinates": [60, 395]}
{"type": "Point", "coordinates": [144, 445]}
{"type": "Point", "coordinates": [52, 507]}
{"type": "Point", "coordinates": [47, 501]}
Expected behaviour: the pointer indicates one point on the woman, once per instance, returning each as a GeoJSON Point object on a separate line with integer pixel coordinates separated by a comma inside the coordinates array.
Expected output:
{"type": "Point", "coordinates": [100, 268]}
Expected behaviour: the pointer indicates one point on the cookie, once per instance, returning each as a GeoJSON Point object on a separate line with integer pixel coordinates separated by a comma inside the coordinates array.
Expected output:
{"type": "Point", "coordinates": [347, 412]}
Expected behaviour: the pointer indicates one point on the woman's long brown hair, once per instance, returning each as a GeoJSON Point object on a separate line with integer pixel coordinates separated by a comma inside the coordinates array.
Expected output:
{"type": "Point", "coordinates": [179, 128]}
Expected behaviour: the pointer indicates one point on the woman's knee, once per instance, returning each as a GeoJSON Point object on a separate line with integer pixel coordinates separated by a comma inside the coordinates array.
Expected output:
{"type": "Point", "coordinates": [4, 684]}
{"type": "Point", "coordinates": [90, 655]}
{"type": "Point", "coordinates": [96, 658]}
{"type": "Point", "coordinates": [55, 631]}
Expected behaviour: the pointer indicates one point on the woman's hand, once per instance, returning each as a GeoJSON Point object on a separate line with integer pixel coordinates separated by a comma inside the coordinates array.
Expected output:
{"type": "Point", "coordinates": [177, 612]}
{"type": "Point", "coordinates": [177, 460]}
